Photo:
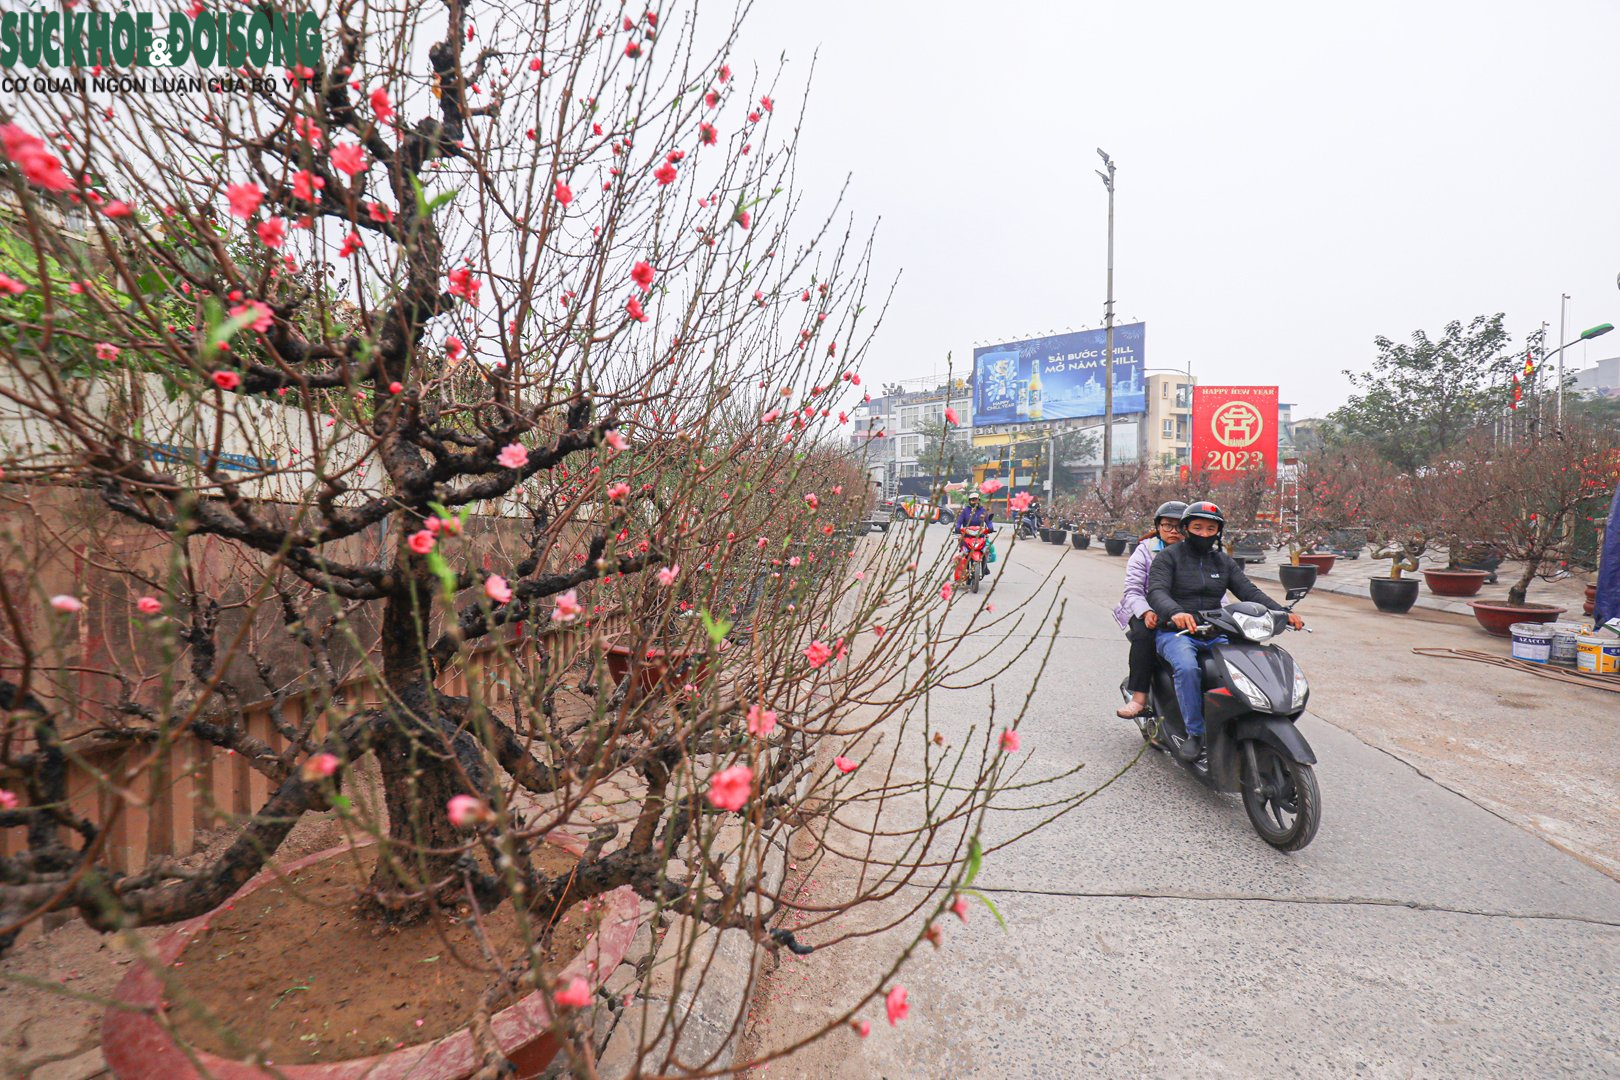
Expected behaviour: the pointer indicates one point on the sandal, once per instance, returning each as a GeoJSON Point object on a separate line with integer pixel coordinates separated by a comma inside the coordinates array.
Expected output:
{"type": "Point", "coordinates": [1131, 710]}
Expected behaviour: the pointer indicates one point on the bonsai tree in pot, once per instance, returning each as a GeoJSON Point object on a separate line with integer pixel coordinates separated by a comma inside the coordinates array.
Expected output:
{"type": "Point", "coordinates": [1249, 501]}
{"type": "Point", "coordinates": [1395, 520]}
{"type": "Point", "coordinates": [339, 459]}
{"type": "Point", "coordinates": [1525, 499]}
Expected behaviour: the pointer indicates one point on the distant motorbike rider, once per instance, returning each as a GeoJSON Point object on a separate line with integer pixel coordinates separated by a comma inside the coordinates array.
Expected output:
{"type": "Point", "coordinates": [1193, 576]}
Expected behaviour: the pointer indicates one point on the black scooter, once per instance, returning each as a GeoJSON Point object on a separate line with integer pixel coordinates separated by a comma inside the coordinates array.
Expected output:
{"type": "Point", "coordinates": [1253, 694]}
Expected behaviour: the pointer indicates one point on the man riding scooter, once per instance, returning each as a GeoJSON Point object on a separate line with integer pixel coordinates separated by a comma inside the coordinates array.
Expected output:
{"type": "Point", "coordinates": [1193, 576]}
{"type": "Point", "coordinates": [974, 513]}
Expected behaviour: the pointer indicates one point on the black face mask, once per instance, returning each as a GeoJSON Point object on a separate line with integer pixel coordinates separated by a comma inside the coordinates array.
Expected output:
{"type": "Point", "coordinates": [1200, 545]}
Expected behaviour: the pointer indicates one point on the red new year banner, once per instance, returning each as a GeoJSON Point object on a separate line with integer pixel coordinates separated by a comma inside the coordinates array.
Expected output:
{"type": "Point", "coordinates": [1234, 431]}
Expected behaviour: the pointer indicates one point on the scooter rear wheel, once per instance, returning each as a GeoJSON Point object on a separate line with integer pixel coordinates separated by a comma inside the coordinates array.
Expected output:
{"type": "Point", "coordinates": [1287, 815]}
{"type": "Point", "coordinates": [975, 572]}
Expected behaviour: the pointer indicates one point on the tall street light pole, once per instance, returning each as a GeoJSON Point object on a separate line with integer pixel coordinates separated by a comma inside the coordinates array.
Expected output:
{"type": "Point", "coordinates": [1563, 305]}
{"type": "Point", "coordinates": [1108, 318]}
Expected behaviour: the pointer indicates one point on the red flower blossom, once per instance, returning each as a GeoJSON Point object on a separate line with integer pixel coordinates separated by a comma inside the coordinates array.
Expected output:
{"type": "Point", "coordinates": [642, 274]}
{"type": "Point", "coordinates": [272, 232]}
{"type": "Point", "coordinates": [707, 134]}
{"type": "Point", "coordinates": [634, 309]}
{"type": "Point", "coordinates": [381, 107]}
{"type": "Point", "coordinates": [244, 199]}
{"type": "Point", "coordinates": [349, 158]}
{"type": "Point", "coordinates": [664, 174]}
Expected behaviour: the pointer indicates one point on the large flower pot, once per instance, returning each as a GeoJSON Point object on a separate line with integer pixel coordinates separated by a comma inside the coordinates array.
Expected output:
{"type": "Point", "coordinates": [1113, 546]}
{"type": "Point", "coordinates": [1497, 616]}
{"type": "Point", "coordinates": [1323, 562]}
{"type": "Point", "coordinates": [1394, 596]}
{"type": "Point", "coordinates": [1056, 536]}
{"type": "Point", "coordinates": [1455, 582]}
{"type": "Point", "coordinates": [1296, 577]}
{"type": "Point", "coordinates": [656, 666]}
{"type": "Point", "coordinates": [1080, 540]}
{"type": "Point", "coordinates": [137, 1046]}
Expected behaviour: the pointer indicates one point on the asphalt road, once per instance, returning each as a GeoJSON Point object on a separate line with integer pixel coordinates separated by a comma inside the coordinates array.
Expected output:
{"type": "Point", "coordinates": [1151, 933]}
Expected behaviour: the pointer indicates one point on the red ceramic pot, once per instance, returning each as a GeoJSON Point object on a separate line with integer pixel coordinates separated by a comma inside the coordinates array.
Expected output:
{"type": "Point", "coordinates": [1323, 562]}
{"type": "Point", "coordinates": [656, 666]}
{"type": "Point", "coordinates": [1455, 582]}
{"type": "Point", "coordinates": [137, 1047]}
{"type": "Point", "coordinates": [1497, 616]}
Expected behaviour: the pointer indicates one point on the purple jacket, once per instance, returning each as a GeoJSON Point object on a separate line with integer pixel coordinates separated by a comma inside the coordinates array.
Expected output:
{"type": "Point", "coordinates": [1135, 602]}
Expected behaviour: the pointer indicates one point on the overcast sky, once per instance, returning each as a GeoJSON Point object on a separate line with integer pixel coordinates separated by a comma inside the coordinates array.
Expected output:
{"type": "Point", "coordinates": [1294, 179]}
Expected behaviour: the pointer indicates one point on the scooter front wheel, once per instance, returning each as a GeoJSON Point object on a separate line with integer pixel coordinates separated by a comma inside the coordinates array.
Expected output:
{"type": "Point", "coordinates": [1283, 802]}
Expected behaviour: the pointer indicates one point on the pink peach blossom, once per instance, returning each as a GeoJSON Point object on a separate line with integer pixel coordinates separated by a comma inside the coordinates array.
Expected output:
{"type": "Point", "coordinates": [617, 442]}
{"type": "Point", "coordinates": [566, 608]}
{"type": "Point", "coordinates": [106, 351]}
{"type": "Point", "coordinates": [421, 541]}
{"type": "Point", "coordinates": [244, 199]}
{"type": "Point", "coordinates": [272, 232]}
{"type": "Point", "coordinates": [563, 193]}
{"type": "Point", "coordinates": [68, 605]}
{"type": "Point", "coordinates": [945, 591]}
{"type": "Point", "coordinates": [496, 588]}
{"type": "Point", "coordinates": [991, 486]}
{"type": "Point", "coordinates": [667, 575]}
{"type": "Point", "coordinates": [951, 417]}
{"type": "Point", "coordinates": [227, 380]}
{"type": "Point", "coordinates": [349, 158]}
{"type": "Point", "coordinates": [149, 605]}
{"type": "Point", "coordinates": [9, 800]}
{"type": "Point", "coordinates": [845, 765]}
{"type": "Point", "coordinates": [960, 907]}
{"type": "Point", "coordinates": [318, 767]}
{"type": "Point", "coordinates": [618, 491]}
{"type": "Point", "coordinates": [812, 501]}
{"type": "Point", "coordinates": [730, 788]}
{"type": "Point", "coordinates": [894, 1003]}
{"type": "Point", "coordinates": [761, 721]}
{"type": "Point", "coordinates": [513, 456]}
{"type": "Point", "coordinates": [817, 653]}
{"type": "Point", "coordinates": [1009, 741]}
{"type": "Point", "coordinates": [642, 274]}
{"type": "Point", "coordinates": [465, 810]}
{"type": "Point", "coordinates": [576, 995]}
{"type": "Point", "coordinates": [1020, 502]}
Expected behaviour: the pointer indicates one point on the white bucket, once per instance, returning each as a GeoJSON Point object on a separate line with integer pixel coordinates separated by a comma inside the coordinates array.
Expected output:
{"type": "Point", "coordinates": [1563, 642]}
{"type": "Point", "coordinates": [1532, 641]}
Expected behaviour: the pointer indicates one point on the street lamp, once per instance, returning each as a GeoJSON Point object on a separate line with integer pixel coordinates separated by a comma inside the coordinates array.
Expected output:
{"type": "Point", "coordinates": [1108, 346]}
{"type": "Point", "coordinates": [1585, 335]}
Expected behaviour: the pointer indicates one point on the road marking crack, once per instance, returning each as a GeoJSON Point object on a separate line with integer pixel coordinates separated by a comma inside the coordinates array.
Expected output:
{"type": "Point", "coordinates": [1338, 901]}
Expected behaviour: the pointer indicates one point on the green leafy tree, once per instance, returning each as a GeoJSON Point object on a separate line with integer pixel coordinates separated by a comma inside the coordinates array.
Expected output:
{"type": "Point", "coordinates": [1421, 398]}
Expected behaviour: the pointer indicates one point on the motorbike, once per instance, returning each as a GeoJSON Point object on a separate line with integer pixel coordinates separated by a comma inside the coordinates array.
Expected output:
{"type": "Point", "coordinates": [1029, 526]}
{"type": "Point", "coordinates": [970, 555]}
{"type": "Point", "coordinates": [1254, 692]}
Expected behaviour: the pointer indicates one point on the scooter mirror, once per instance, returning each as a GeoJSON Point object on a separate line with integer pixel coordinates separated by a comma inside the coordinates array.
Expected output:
{"type": "Point", "coordinates": [1296, 595]}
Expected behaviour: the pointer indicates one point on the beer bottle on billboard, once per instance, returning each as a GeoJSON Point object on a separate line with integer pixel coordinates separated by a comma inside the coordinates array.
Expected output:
{"type": "Point", "coordinates": [1037, 408]}
{"type": "Point", "coordinates": [1021, 399]}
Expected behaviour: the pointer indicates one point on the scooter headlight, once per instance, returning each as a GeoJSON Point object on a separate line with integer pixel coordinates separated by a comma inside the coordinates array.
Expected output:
{"type": "Point", "coordinates": [1301, 688]}
{"type": "Point", "coordinates": [1247, 688]}
{"type": "Point", "coordinates": [1256, 628]}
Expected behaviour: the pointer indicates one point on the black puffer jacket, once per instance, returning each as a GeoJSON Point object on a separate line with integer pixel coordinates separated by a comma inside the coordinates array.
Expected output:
{"type": "Point", "coordinates": [1182, 581]}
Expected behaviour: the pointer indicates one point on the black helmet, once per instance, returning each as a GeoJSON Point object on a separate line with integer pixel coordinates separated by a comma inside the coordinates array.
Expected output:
{"type": "Point", "coordinates": [1172, 510]}
{"type": "Point", "coordinates": [1206, 510]}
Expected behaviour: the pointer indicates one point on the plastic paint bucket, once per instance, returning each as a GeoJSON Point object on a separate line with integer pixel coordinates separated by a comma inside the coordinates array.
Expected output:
{"type": "Point", "coordinates": [1563, 642]}
{"type": "Point", "coordinates": [1597, 654]}
{"type": "Point", "coordinates": [1532, 641]}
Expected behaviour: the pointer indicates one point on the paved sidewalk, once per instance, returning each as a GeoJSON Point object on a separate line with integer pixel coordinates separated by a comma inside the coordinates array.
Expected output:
{"type": "Point", "coordinates": [1349, 577]}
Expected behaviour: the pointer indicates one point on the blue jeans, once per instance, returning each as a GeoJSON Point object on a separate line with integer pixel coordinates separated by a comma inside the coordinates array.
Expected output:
{"type": "Point", "coordinates": [1182, 651]}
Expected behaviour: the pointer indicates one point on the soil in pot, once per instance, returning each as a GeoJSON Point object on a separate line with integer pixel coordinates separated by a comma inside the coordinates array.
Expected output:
{"type": "Point", "coordinates": [1394, 596]}
{"type": "Point", "coordinates": [1454, 582]}
{"type": "Point", "coordinates": [291, 967]}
